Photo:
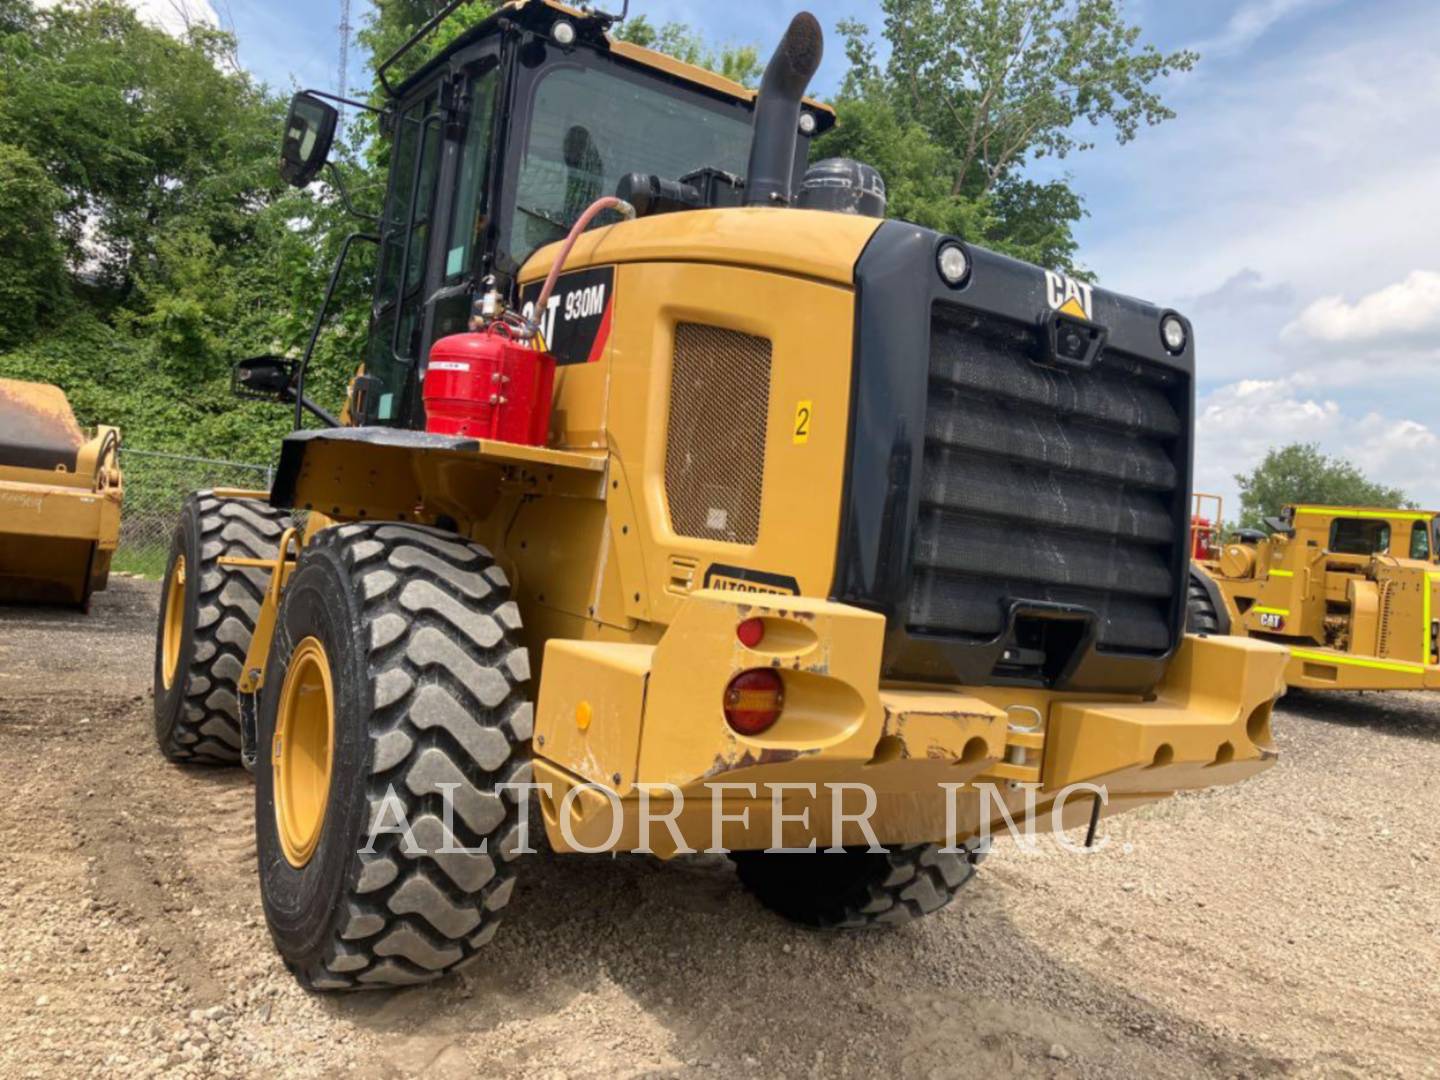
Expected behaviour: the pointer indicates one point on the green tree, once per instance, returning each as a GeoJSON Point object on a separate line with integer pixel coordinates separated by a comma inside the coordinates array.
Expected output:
{"type": "Point", "coordinates": [135, 127]}
{"type": "Point", "coordinates": [33, 278]}
{"type": "Point", "coordinates": [1301, 474]}
{"type": "Point", "coordinates": [390, 23]}
{"type": "Point", "coordinates": [974, 90]}
{"type": "Point", "coordinates": [740, 63]}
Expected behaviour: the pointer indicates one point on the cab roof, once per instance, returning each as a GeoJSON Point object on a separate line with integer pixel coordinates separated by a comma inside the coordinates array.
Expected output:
{"type": "Point", "coordinates": [540, 15]}
{"type": "Point", "coordinates": [1378, 513]}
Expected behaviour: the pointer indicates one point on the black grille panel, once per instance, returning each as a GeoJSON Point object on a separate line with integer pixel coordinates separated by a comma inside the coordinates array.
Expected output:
{"type": "Point", "coordinates": [1046, 485]}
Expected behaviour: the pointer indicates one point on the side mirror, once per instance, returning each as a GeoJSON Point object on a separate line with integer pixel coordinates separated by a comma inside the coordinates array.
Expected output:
{"type": "Point", "coordinates": [269, 378]}
{"type": "Point", "coordinates": [309, 134]}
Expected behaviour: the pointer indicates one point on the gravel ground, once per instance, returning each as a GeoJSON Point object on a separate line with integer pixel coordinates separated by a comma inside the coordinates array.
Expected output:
{"type": "Point", "coordinates": [1289, 926]}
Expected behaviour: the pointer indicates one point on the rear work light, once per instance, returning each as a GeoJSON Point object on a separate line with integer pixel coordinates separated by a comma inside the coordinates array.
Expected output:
{"type": "Point", "coordinates": [753, 701]}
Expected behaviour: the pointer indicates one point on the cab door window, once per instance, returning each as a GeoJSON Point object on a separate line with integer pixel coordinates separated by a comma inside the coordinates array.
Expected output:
{"type": "Point", "coordinates": [1420, 541]}
{"type": "Point", "coordinates": [397, 320]}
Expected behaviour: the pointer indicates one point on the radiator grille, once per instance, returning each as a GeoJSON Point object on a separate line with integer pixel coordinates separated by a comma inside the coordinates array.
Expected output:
{"type": "Point", "coordinates": [1046, 485]}
{"type": "Point", "coordinates": [715, 447]}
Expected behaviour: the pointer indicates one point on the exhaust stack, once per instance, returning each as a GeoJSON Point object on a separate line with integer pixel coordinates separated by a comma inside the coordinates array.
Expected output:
{"type": "Point", "coordinates": [777, 112]}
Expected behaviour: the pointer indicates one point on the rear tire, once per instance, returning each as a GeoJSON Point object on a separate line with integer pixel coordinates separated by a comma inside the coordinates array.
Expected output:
{"type": "Point", "coordinates": [197, 696]}
{"type": "Point", "coordinates": [1201, 616]}
{"type": "Point", "coordinates": [430, 686]}
{"type": "Point", "coordinates": [857, 890]}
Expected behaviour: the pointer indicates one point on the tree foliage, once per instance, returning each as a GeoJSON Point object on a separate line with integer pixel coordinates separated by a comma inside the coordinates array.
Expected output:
{"type": "Point", "coordinates": [740, 63]}
{"type": "Point", "coordinates": [144, 164]}
{"type": "Point", "coordinates": [1301, 474]}
{"type": "Point", "coordinates": [973, 90]}
{"type": "Point", "coordinates": [146, 241]}
{"type": "Point", "coordinates": [33, 282]}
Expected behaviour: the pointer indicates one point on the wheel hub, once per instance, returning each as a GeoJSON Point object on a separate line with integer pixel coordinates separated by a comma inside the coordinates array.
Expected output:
{"type": "Point", "coordinates": [302, 750]}
{"type": "Point", "coordinates": [174, 623]}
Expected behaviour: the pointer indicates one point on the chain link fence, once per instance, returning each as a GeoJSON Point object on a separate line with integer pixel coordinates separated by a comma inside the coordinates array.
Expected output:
{"type": "Point", "coordinates": [155, 486]}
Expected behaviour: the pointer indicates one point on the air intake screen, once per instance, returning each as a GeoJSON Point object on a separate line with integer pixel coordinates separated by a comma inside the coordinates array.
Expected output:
{"type": "Point", "coordinates": [715, 451]}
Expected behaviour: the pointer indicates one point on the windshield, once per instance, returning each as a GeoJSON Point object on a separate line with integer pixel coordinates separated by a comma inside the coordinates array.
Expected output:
{"type": "Point", "coordinates": [591, 126]}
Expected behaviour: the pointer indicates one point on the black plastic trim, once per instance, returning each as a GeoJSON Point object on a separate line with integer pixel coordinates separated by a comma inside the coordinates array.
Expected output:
{"type": "Point", "coordinates": [897, 290]}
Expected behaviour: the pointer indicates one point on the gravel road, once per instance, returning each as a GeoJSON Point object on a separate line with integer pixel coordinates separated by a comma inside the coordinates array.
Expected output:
{"type": "Point", "coordinates": [1286, 927]}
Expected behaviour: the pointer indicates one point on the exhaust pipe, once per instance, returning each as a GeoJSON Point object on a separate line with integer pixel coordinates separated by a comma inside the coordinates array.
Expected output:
{"type": "Point", "coordinates": [777, 112]}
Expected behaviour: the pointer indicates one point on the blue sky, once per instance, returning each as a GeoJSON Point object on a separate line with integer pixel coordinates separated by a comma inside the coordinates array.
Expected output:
{"type": "Point", "coordinates": [1289, 209]}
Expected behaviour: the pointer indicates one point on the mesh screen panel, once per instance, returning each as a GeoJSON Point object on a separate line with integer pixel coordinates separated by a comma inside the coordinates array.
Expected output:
{"type": "Point", "coordinates": [715, 447]}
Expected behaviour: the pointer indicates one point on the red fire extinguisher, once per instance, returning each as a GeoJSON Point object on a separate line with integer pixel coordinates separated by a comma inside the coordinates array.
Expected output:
{"type": "Point", "coordinates": [488, 385]}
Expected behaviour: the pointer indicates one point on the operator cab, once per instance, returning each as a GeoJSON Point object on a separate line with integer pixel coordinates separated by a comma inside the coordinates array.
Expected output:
{"type": "Point", "coordinates": [497, 147]}
{"type": "Point", "coordinates": [1366, 533]}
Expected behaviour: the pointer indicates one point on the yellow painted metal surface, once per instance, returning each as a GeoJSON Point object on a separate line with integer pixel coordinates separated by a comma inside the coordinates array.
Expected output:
{"type": "Point", "coordinates": [805, 243]}
{"type": "Point", "coordinates": [1207, 724]}
{"type": "Point", "coordinates": [632, 625]}
{"type": "Point", "coordinates": [172, 628]}
{"type": "Point", "coordinates": [59, 525]}
{"type": "Point", "coordinates": [303, 750]}
{"type": "Point", "coordinates": [1353, 622]}
{"type": "Point", "coordinates": [591, 703]}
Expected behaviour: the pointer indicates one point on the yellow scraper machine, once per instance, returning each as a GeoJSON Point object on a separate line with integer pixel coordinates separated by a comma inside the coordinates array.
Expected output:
{"type": "Point", "coordinates": [1352, 591]}
{"type": "Point", "coordinates": [60, 495]}
{"type": "Point", "coordinates": [677, 480]}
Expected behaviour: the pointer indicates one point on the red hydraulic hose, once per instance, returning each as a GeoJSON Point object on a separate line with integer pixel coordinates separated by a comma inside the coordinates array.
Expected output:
{"type": "Point", "coordinates": [608, 202]}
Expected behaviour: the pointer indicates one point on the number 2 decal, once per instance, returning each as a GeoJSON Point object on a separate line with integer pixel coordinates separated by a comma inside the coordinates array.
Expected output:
{"type": "Point", "coordinates": [804, 411]}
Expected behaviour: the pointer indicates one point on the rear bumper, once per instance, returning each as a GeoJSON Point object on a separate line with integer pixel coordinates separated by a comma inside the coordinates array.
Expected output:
{"type": "Point", "coordinates": [616, 720]}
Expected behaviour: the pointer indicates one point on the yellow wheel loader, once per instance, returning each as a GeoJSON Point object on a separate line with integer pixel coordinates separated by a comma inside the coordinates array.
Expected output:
{"type": "Point", "coordinates": [837, 534]}
{"type": "Point", "coordinates": [1353, 592]}
{"type": "Point", "coordinates": [60, 497]}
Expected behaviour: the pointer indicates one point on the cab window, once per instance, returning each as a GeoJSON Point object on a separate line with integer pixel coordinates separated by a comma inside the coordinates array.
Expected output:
{"type": "Point", "coordinates": [1356, 536]}
{"type": "Point", "coordinates": [405, 231]}
{"type": "Point", "coordinates": [1420, 541]}
{"type": "Point", "coordinates": [589, 127]}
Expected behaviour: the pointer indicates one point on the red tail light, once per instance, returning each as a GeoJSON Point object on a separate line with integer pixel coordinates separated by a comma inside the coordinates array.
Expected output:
{"type": "Point", "coordinates": [753, 701]}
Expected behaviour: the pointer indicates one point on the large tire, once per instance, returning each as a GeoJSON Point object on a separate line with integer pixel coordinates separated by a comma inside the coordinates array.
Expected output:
{"type": "Point", "coordinates": [1201, 616]}
{"type": "Point", "coordinates": [857, 889]}
{"type": "Point", "coordinates": [197, 705]}
{"type": "Point", "coordinates": [430, 688]}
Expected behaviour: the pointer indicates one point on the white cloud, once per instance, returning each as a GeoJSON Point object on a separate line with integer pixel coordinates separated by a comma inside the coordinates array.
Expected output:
{"type": "Point", "coordinates": [1248, 23]}
{"type": "Point", "coordinates": [1238, 423]}
{"type": "Point", "coordinates": [1403, 310]}
{"type": "Point", "coordinates": [172, 16]}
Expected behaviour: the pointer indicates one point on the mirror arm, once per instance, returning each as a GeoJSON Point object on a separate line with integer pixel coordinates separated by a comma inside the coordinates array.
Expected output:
{"type": "Point", "coordinates": [303, 404]}
{"type": "Point", "coordinates": [326, 418]}
{"type": "Point", "coordinates": [339, 179]}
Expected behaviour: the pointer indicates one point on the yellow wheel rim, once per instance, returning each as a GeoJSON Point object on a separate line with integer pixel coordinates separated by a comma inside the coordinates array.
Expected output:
{"type": "Point", "coordinates": [174, 622]}
{"type": "Point", "coordinates": [302, 750]}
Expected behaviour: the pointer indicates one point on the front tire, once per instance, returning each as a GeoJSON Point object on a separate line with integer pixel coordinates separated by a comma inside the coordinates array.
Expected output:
{"type": "Point", "coordinates": [430, 695]}
{"type": "Point", "coordinates": [857, 889]}
{"type": "Point", "coordinates": [207, 617]}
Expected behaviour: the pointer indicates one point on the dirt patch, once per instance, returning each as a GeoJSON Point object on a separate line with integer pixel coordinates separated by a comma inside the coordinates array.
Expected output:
{"type": "Point", "coordinates": [1289, 926]}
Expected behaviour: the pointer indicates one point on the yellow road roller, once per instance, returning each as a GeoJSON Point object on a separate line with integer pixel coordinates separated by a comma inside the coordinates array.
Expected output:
{"type": "Point", "coordinates": [60, 498]}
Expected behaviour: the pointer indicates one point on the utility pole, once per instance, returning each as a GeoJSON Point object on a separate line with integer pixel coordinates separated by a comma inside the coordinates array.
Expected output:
{"type": "Point", "coordinates": [342, 84]}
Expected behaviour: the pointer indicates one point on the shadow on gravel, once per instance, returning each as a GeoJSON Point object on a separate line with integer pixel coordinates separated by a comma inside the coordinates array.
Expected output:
{"type": "Point", "coordinates": [965, 993]}
{"type": "Point", "coordinates": [1412, 715]}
